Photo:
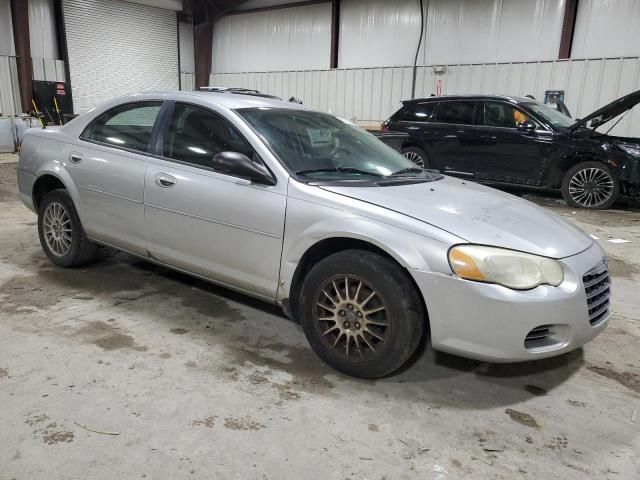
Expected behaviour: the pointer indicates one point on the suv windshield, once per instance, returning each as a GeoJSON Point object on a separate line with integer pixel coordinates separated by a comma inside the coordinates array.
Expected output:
{"type": "Point", "coordinates": [319, 146]}
{"type": "Point", "coordinates": [551, 115]}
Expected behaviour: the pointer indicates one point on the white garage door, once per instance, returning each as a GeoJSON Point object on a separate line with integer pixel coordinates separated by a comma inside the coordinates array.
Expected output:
{"type": "Point", "coordinates": [117, 47]}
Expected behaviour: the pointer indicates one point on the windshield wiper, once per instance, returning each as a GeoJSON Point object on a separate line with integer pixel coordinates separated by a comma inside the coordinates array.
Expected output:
{"type": "Point", "coordinates": [408, 170]}
{"type": "Point", "coordinates": [336, 169]}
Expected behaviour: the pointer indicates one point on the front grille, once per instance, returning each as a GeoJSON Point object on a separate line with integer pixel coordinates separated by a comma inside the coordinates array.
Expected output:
{"type": "Point", "coordinates": [597, 286]}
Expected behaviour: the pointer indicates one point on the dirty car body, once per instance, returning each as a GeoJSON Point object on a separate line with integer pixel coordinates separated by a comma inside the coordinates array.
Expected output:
{"type": "Point", "coordinates": [292, 206]}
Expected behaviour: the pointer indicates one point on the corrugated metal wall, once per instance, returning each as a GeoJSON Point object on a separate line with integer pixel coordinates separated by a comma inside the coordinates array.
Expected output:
{"type": "Point", "coordinates": [297, 37]}
{"type": "Point", "coordinates": [607, 28]}
{"type": "Point", "coordinates": [117, 47]}
{"type": "Point", "coordinates": [9, 92]}
{"type": "Point", "coordinates": [48, 69]}
{"type": "Point", "coordinates": [370, 95]}
{"type": "Point", "coordinates": [42, 29]}
{"type": "Point", "coordinates": [6, 29]}
{"type": "Point", "coordinates": [377, 33]}
{"type": "Point", "coordinates": [187, 81]}
{"type": "Point", "coordinates": [187, 48]}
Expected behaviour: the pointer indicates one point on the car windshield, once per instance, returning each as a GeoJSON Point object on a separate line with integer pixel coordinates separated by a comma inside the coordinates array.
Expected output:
{"type": "Point", "coordinates": [318, 146]}
{"type": "Point", "coordinates": [550, 114]}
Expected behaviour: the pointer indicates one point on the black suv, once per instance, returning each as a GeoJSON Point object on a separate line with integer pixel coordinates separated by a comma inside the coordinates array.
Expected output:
{"type": "Point", "coordinates": [518, 141]}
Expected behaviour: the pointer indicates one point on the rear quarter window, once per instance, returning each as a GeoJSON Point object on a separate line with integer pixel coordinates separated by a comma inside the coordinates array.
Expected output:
{"type": "Point", "coordinates": [415, 112]}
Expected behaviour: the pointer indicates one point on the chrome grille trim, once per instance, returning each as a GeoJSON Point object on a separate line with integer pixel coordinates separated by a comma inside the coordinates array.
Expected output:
{"type": "Point", "coordinates": [597, 287]}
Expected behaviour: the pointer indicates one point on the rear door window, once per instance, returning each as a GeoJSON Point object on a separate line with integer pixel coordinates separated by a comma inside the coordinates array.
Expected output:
{"type": "Point", "coordinates": [460, 112]}
{"type": "Point", "coordinates": [125, 126]}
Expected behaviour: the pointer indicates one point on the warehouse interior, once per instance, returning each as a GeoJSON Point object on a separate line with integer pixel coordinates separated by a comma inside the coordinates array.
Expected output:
{"type": "Point", "coordinates": [128, 368]}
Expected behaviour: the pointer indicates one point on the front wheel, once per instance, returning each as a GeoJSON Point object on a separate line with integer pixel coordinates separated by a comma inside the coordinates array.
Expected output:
{"type": "Point", "coordinates": [590, 185]}
{"type": "Point", "coordinates": [361, 313]}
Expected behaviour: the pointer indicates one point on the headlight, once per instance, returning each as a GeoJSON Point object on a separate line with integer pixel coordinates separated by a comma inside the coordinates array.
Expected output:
{"type": "Point", "coordinates": [520, 271]}
{"type": "Point", "coordinates": [633, 150]}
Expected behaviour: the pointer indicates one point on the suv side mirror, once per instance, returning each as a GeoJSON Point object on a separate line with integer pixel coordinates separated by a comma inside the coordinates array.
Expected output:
{"type": "Point", "coordinates": [527, 126]}
{"type": "Point", "coordinates": [239, 165]}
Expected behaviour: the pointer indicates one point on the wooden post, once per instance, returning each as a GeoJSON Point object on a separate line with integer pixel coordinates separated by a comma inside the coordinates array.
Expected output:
{"type": "Point", "coordinates": [335, 33]}
{"type": "Point", "coordinates": [20, 22]}
{"type": "Point", "coordinates": [568, 26]}
{"type": "Point", "coordinates": [203, 45]}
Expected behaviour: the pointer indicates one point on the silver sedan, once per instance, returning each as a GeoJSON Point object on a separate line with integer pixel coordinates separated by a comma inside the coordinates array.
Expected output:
{"type": "Point", "coordinates": [300, 208]}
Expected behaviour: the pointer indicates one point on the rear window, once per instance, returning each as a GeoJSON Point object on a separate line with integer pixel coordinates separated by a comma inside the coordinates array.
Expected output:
{"type": "Point", "coordinates": [456, 111]}
{"type": "Point", "coordinates": [129, 126]}
{"type": "Point", "coordinates": [416, 112]}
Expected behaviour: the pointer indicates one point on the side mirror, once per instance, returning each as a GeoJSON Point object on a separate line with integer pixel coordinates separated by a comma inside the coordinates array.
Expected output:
{"type": "Point", "coordinates": [239, 165]}
{"type": "Point", "coordinates": [527, 126]}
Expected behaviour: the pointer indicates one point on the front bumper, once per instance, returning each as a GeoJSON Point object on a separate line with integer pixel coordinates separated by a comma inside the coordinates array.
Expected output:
{"type": "Point", "coordinates": [491, 322]}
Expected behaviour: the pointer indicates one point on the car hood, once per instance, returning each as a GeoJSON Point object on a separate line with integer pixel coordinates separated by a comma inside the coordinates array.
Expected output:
{"type": "Point", "coordinates": [611, 110]}
{"type": "Point", "coordinates": [477, 214]}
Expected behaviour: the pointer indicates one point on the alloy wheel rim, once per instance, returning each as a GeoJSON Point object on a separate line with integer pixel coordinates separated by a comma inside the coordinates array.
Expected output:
{"type": "Point", "coordinates": [57, 229]}
{"type": "Point", "coordinates": [415, 158]}
{"type": "Point", "coordinates": [591, 187]}
{"type": "Point", "coordinates": [351, 317]}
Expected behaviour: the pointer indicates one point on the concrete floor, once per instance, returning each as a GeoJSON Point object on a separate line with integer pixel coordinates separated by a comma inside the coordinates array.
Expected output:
{"type": "Point", "coordinates": [193, 381]}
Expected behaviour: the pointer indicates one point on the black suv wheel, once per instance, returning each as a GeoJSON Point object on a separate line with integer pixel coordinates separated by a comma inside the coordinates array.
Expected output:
{"type": "Point", "coordinates": [361, 313]}
{"type": "Point", "coordinates": [590, 185]}
{"type": "Point", "coordinates": [417, 156]}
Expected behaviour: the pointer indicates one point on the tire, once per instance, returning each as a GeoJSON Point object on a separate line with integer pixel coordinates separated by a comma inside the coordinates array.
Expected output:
{"type": "Point", "coordinates": [362, 349]}
{"type": "Point", "coordinates": [590, 185]}
{"type": "Point", "coordinates": [417, 156]}
{"type": "Point", "coordinates": [61, 234]}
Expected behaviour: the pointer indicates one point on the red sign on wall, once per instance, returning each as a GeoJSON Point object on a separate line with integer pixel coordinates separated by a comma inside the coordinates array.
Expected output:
{"type": "Point", "coordinates": [438, 87]}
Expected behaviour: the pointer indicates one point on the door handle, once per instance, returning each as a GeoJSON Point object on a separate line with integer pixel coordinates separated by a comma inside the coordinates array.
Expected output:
{"type": "Point", "coordinates": [164, 180]}
{"type": "Point", "coordinates": [75, 157]}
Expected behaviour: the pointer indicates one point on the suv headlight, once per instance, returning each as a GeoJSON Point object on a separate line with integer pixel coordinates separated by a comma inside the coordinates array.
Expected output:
{"type": "Point", "coordinates": [633, 150]}
{"type": "Point", "coordinates": [511, 269]}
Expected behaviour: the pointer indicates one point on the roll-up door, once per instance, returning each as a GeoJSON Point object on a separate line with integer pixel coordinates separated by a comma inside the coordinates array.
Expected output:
{"type": "Point", "coordinates": [116, 47]}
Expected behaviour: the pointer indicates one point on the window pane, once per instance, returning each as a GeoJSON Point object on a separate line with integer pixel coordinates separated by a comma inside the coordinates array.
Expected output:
{"type": "Point", "coordinates": [418, 112]}
{"type": "Point", "coordinates": [127, 126]}
{"type": "Point", "coordinates": [196, 135]}
{"type": "Point", "coordinates": [460, 112]}
{"type": "Point", "coordinates": [498, 114]}
{"type": "Point", "coordinates": [307, 140]}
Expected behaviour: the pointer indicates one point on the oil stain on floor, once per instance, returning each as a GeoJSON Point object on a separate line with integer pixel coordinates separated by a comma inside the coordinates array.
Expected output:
{"type": "Point", "coordinates": [107, 337]}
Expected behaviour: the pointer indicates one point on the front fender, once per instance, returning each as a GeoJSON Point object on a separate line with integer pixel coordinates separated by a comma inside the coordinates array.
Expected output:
{"type": "Point", "coordinates": [411, 250]}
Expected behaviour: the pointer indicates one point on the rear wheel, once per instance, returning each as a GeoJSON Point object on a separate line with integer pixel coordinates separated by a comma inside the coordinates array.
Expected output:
{"type": "Point", "coordinates": [361, 313]}
{"type": "Point", "coordinates": [417, 156]}
{"type": "Point", "coordinates": [590, 185]}
{"type": "Point", "coordinates": [61, 234]}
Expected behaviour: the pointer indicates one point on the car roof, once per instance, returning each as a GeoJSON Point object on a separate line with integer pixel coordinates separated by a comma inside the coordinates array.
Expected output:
{"type": "Point", "coordinates": [508, 98]}
{"type": "Point", "coordinates": [229, 99]}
